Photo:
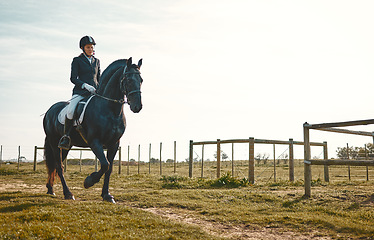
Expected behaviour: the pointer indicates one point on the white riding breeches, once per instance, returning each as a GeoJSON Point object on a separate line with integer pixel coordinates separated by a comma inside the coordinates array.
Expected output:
{"type": "Point", "coordinates": [72, 105]}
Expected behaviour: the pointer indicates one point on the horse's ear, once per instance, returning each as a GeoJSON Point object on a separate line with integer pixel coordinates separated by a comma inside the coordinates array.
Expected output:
{"type": "Point", "coordinates": [129, 62]}
{"type": "Point", "coordinates": [140, 62]}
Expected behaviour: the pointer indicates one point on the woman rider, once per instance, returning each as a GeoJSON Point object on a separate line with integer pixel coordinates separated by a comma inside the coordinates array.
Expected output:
{"type": "Point", "coordinates": [85, 74]}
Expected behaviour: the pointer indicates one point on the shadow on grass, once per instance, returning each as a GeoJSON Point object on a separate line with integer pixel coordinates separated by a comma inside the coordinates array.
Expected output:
{"type": "Point", "coordinates": [18, 201]}
{"type": "Point", "coordinates": [288, 204]}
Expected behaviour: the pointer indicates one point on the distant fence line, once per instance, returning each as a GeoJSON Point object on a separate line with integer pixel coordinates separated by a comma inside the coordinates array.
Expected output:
{"type": "Point", "coordinates": [331, 127]}
{"type": "Point", "coordinates": [251, 159]}
{"type": "Point", "coordinates": [36, 148]}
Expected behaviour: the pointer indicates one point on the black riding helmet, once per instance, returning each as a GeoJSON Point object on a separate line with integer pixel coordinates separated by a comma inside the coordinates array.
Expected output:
{"type": "Point", "coordinates": [86, 40]}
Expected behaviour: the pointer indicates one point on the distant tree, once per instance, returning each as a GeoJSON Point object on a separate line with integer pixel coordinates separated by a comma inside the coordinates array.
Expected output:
{"type": "Point", "coordinates": [170, 160]}
{"type": "Point", "coordinates": [285, 158]}
{"type": "Point", "coordinates": [194, 160]}
{"type": "Point", "coordinates": [355, 152]}
{"type": "Point", "coordinates": [262, 157]}
{"type": "Point", "coordinates": [369, 150]}
{"type": "Point", "coordinates": [223, 155]}
{"type": "Point", "coordinates": [154, 160]}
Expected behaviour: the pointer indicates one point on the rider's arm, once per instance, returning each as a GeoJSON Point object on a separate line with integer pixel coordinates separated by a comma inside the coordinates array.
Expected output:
{"type": "Point", "coordinates": [74, 78]}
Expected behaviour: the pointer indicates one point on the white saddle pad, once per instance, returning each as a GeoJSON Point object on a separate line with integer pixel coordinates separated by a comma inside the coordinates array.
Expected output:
{"type": "Point", "coordinates": [62, 114]}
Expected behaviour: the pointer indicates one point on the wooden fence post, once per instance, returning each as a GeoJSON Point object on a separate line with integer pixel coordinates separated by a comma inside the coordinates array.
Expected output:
{"type": "Point", "coordinates": [307, 166]}
{"type": "Point", "coordinates": [35, 154]}
{"type": "Point", "coordinates": [367, 168]}
{"type": "Point", "coordinates": [1, 155]}
{"type": "Point", "coordinates": [139, 159]}
{"type": "Point", "coordinates": [119, 160]}
{"type": "Point", "coordinates": [326, 167]}
{"type": "Point", "coordinates": [232, 159]}
{"type": "Point", "coordinates": [251, 161]}
{"type": "Point", "coordinates": [275, 171]}
{"type": "Point", "coordinates": [149, 157]}
{"type": "Point", "coordinates": [160, 158]}
{"type": "Point", "coordinates": [128, 159]}
{"type": "Point", "coordinates": [190, 159]}
{"type": "Point", "coordinates": [175, 156]}
{"type": "Point", "coordinates": [349, 167]}
{"type": "Point", "coordinates": [202, 161]}
{"type": "Point", "coordinates": [291, 162]}
{"type": "Point", "coordinates": [80, 161]}
{"type": "Point", "coordinates": [19, 156]}
{"type": "Point", "coordinates": [218, 158]}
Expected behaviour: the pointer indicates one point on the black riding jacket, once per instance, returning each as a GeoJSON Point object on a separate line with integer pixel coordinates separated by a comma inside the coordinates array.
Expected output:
{"type": "Point", "coordinates": [82, 71]}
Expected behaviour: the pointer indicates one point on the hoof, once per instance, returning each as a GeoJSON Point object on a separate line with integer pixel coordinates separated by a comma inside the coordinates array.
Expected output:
{"type": "Point", "coordinates": [90, 181]}
{"type": "Point", "coordinates": [70, 197]}
{"type": "Point", "coordinates": [50, 189]}
{"type": "Point", "coordinates": [108, 198]}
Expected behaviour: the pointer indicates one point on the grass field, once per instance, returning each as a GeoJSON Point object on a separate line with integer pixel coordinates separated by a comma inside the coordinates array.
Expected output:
{"type": "Point", "coordinates": [172, 206]}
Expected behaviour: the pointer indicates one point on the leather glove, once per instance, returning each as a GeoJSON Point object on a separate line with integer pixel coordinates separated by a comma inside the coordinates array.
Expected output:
{"type": "Point", "coordinates": [89, 88]}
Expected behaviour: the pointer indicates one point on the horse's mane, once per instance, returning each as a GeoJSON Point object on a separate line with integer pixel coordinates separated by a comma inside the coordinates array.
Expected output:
{"type": "Point", "coordinates": [108, 72]}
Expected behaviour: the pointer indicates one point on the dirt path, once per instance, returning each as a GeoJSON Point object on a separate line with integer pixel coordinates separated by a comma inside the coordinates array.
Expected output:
{"type": "Point", "coordinates": [183, 216]}
{"type": "Point", "coordinates": [19, 185]}
{"type": "Point", "coordinates": [229, 231]}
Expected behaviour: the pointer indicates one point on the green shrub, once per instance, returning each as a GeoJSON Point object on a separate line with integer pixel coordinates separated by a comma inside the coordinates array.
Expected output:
{"type": "Point", "coordinates": [173, 182]}
{"type": "Point", "coordinates": [228, 181]}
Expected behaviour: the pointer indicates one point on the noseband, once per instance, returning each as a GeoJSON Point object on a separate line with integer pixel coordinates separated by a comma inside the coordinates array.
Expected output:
{"type": "Point", "coordinates": [123, 88]}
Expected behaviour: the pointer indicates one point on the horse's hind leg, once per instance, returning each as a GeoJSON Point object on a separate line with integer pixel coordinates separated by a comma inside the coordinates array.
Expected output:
{"type": "Point", "coordinates": [111, 153]}
{"type": "Point", "coordinates": [50, 161]}
{"type": "Point", "coordinates": [61, 154]}
{"type": "Point", "coordinates": [50, 181]}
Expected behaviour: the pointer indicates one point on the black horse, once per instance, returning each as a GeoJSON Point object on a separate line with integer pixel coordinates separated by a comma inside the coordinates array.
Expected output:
{"type": "Point", "coordinates": [103, 125]}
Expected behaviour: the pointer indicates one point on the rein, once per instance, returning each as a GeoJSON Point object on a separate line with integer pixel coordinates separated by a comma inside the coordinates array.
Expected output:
{"type": "Point", "coordinates": [120, 101]}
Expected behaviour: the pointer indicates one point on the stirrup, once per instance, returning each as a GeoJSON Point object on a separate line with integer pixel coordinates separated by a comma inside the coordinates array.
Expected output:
{"type": "Point", "coordinates": [65, 142]}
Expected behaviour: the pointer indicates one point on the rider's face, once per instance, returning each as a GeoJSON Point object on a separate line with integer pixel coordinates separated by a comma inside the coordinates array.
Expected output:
{"type": "Point", "coordinates": [89, 49]}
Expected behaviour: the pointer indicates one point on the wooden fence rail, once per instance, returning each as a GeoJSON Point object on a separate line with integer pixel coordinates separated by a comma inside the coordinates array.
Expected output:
{"type": "Point", "coordinates": [331, 127]}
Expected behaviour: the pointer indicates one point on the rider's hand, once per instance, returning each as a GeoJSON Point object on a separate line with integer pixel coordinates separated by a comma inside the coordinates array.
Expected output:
{"type": "Point", "coordinates": [89, 88]}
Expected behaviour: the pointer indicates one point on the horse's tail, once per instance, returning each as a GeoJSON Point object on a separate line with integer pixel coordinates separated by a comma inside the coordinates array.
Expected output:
{"type": "Point", "coordinates": [50, 161]}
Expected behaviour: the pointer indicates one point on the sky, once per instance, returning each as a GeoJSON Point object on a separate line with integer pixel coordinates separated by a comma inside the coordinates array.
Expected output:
{"type": "Point", "coordinates": [212, 69]}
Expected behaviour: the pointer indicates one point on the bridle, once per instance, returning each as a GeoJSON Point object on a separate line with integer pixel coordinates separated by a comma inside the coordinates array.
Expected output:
{"type": "Point", "coordinates": [122, 88]}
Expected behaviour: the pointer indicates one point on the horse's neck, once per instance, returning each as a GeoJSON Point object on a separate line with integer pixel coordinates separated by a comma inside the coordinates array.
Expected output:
{"type": "Point", "coordinates": [112, 91]}
{"type": "Point", "coordinates": [112, 87]}
{"type": "Point", "coordinates": [108, 73]}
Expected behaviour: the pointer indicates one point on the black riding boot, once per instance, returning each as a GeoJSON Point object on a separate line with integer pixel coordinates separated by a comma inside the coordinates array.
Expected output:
{"type": "Point", "coordinates": [65, 141]}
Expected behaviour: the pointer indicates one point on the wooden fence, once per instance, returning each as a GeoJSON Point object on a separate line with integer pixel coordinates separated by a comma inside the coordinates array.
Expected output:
{"type": "Point", "coordinates": [330, 127]}
{"type": "Point", "coordinates": [251, 159]}
{"type": "Point", "coordinates": [119, 156]}
{"type": "Point", "coordinates": [36, 148]}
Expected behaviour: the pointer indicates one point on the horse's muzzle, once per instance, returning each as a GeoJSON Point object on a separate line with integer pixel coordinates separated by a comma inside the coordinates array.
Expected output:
{"type": "Point", "coordinates": [135, 108]}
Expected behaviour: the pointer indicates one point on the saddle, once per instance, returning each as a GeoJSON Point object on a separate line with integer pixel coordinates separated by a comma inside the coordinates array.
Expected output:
{"type": "Point", "coordinates": [78, 112]}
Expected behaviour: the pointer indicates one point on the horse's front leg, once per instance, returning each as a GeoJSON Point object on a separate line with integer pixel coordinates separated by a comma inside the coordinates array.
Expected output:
{"type": "Point", "coordinates": [94, 177]}
{"type": "Point", "coordinates": [111, 153]}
